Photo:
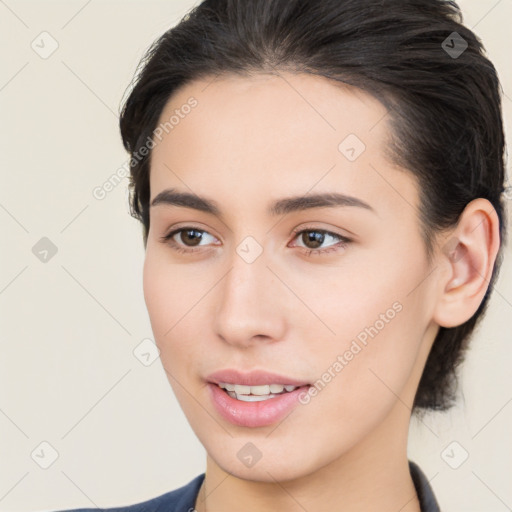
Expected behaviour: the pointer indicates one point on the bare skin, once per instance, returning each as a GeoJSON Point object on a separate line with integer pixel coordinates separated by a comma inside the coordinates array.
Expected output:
{"type": "Point", "coordinates": [251, 141]}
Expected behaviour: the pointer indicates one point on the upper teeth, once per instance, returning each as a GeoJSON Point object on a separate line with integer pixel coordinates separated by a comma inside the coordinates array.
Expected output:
{"type": "Point", "coordinates": [240, 389]}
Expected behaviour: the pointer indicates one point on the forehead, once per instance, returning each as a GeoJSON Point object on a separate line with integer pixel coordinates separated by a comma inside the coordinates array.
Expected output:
{"type": "Point", "coordinates": [306, 106]}
{"type": "Point", "coordinates": [264, 132]}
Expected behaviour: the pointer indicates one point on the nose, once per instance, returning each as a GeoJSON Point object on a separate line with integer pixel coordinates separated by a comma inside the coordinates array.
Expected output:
{"type": "Point", "coordinates": [252, 305]}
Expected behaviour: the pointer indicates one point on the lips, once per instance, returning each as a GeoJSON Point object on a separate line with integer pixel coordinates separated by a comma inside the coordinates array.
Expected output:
{"type": "Point", "coordinates": [254, 413]}
{"type": "Point", "coordinates": [253, 378]}
{"type": "Point", "coordinates": [246, 409]}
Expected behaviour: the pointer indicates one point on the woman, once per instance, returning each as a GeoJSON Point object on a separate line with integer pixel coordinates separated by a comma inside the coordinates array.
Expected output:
{"type": "Point", "coordinates": [319, 185]}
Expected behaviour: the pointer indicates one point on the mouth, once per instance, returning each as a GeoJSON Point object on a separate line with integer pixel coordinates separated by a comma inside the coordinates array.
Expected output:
{"type": "Point", "coordinates": [255, 406]}
{"type": "Point", "coordinates": [255, 399]}
{"type": "Point", "coordinates": [256, 393]}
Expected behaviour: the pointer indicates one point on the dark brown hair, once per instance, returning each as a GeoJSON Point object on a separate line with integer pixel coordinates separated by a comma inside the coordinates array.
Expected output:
{"type": "Point", "coordinates": [415, 56]}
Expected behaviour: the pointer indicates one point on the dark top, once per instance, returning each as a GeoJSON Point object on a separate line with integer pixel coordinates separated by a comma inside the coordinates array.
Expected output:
{"type": "Point", "coordinates": [183, 499]}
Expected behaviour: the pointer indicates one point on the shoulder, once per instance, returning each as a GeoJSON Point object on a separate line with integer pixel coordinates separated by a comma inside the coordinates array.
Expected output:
{"type": "Point", "coordinates": [178, 500]}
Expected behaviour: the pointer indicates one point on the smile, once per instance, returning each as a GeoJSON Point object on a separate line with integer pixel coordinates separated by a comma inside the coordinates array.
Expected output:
{"type": "Point", "coordinates": [255, 393]}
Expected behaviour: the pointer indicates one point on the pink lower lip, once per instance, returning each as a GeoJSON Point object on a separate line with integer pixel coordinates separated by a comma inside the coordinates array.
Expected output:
{"type": "Point", "coordinates": [254, 414]}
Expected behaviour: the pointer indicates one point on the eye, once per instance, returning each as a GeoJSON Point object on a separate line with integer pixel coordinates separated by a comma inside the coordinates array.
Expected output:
{"type": "Point", "coordinates": [317, 237]}
{"type": "Point", "coordinates": [189, 235]}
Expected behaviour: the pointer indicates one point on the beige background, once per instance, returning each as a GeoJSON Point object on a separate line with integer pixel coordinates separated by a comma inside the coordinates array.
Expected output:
{"type": "Point", "coordinates": [68, 374]}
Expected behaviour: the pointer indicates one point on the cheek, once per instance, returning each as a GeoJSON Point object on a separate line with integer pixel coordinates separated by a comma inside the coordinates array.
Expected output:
{"type": "Point", "coordinates": [360, 382]}
{"type": "Point", "coordinates": [379, 326]}
{"type": "Point", "coordinates": [170, 292]}
{"type": "Point", "coordinates": [173, 295]}
{"type": "Point", "coordinates": [163, 295]}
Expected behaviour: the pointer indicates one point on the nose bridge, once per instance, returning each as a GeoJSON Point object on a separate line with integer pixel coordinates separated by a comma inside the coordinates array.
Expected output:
{"type": "Point", "coordinates": [248, 302]}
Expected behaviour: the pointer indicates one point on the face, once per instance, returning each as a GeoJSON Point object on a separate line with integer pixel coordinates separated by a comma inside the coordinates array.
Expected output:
{"type": "Point", "coordinates": [331, 296]}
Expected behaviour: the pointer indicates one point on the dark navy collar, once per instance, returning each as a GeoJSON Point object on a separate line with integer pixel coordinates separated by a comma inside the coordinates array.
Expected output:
{"type": "Point", "coordinates": [426, 497]}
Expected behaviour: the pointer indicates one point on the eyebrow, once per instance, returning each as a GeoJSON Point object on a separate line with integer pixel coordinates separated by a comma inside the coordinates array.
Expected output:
{"type": "Point", "coordinates": [280, 207]}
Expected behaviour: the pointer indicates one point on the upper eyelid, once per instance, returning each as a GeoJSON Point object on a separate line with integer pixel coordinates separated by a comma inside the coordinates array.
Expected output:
{"type": "Point", "coordinates": [174, 231]}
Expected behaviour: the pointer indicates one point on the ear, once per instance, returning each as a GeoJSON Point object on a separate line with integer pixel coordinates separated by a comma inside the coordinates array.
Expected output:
{"type": "Point", "coordinates": [468, 255]}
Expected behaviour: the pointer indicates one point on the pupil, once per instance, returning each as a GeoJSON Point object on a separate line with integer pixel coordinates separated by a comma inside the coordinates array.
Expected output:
{"type": "Point", "coordinates": [196, 238]}
{"type": "Point", "coordinates": [313, 236]}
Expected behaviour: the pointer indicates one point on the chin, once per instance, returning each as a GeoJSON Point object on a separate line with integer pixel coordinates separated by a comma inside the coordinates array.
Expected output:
{"type": "Point", "coordinates": [272, 459]}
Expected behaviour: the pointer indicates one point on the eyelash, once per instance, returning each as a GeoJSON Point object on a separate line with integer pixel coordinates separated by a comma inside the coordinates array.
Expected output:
{"type": "Point", "coordinates": [344, 241]}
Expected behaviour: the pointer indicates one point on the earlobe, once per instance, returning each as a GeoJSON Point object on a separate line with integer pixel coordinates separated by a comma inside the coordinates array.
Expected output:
{"type": "Point", "coordinates": [469, 254]}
